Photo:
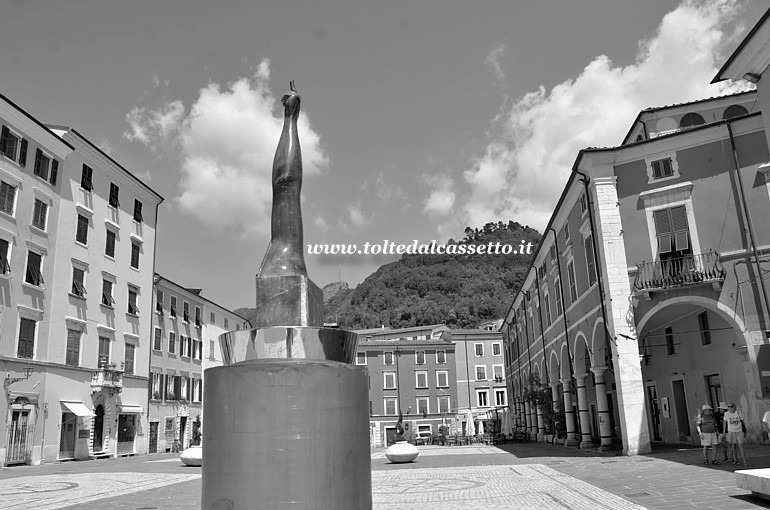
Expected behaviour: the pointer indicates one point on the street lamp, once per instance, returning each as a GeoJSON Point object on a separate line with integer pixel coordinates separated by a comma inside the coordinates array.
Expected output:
{"type": "Point", "coordinates": [27, 373]}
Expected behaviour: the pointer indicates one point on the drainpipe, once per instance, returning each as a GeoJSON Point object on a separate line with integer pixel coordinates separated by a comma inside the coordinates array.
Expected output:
{"type": "Point", "coordinates": [585, 181]}
{"type": "Point", "coordinates": [752, 234]}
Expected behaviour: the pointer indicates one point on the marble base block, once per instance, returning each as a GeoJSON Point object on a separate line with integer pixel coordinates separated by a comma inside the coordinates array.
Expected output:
{"type": "Point", "coordinates": [292, 300]}
{"type": "Point", "coordinates": [755, 480]}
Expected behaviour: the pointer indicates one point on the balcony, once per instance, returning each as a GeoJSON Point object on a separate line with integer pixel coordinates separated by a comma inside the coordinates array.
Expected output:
{"type": "Point", "coordinates": [675, 273]}
{"type": "Point", "coordinates": [107, 377]}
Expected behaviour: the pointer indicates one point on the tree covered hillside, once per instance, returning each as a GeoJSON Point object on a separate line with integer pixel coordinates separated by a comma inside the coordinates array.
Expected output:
{"type": "Point", "coordinates": [459, 290]}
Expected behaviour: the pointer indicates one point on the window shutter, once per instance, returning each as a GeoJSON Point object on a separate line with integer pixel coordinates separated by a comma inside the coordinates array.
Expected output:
{"type": "Point", "coordinates": [38, 157]}
{"type": "Point", "coordinates": [54, 171]}
{"type": "Point", "coordinates": [4, 139]}
{"type": "Point", "coordinates": [23, 153]}
{"type": "Point", "coordinates": [663, 230]}
{"type": "Point", "coordinates": [679, 224]}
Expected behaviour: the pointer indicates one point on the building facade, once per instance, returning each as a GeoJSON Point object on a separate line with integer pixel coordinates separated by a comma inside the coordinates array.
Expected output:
{"type": "Point", "coordinates": [186, 328]}
{"type": "Point", "coordinates": [411, 371]}
{"type": "Point", "coordinates": [81, 239]}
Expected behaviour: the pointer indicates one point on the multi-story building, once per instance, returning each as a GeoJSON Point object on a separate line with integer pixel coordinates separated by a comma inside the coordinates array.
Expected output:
{"type": "Point", "coordinates": [186, 328]}
{"type": "Point", "coordinates": [412, 371]}
{"type": "Point", "coordinates": [481, 381]}
{"type": "Point", "coordinates": [80, 234]}
{"type": "Point", "coordinates": [645, 300]}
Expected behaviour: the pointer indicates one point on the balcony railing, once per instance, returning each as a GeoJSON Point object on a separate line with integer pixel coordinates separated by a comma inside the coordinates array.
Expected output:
{"type": "Point", "coordinates": [685, 271]}
{"type": "Point", "coordinates": [108, 377]}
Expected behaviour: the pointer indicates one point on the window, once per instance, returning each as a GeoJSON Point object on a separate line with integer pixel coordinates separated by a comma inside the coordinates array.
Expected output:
{"type": "Point", "coordinates": [26, 338]}
{"type": "Point", "coordinates": [159, 306]}
{"type": "Point", "coordinates": [157, 343]}
{"type": "Point", "coordinates": [482, 398]}
{"type": "Point", "coordinates": [171, 342]}
{"type": "Point", "coordinates": [44, 163]}
{"type": "Point", "coordinates": [128, 360]}
{"type": "Point", "coordinates": [390, 405]}
{"type": "Point", "coordinates": [170, 395]}
{"type": "Point", "coordinates": [691, 120]}
{"type": "Point", "coordinates": [81, 235]}
{"type": "Point", "coordinates": [497, 349]}
{"type": "Point", "coordinates": [133, 309]}
{"type": "Point", "coordinates": [186, 311]}
{"type": "Point", "coordinates": [552, 251]}
{"type": "Point", "coordinates": [78, 281]}
{"type": "Point", "coordinates": [12, 145]}
{"type": "Point", "coordinates": [497, 372]}
{"type": "Point", "coordinates": [672, 232]}
{"type": "Point", "coordinates": [198, 321]}
{"type": "Point", "coordinates": [34, 274]}
{"type": "Point", "coordinates": [443, 404]}
{"type": "Point", "coordinates": [419, 357]}
{"type": "Point", "coordinates": [421, 379]}
{"type": "Point", "coordinates": [86, 178]}
{"type": "Point", "coordinates": [104, 351]}
{"type": "Point", "coordinates": [226, 323]}
{"type": "Point", "coordinates": [442, 379]}
{"type": "Point", "coordinates": [566, 232]}
{"type": "Point", "coordinates": [669, 333]}
{"type": "Point", "coordinates": [137, 211]}
{"type": "Point", "coordinates": [109, 246]}
{"type": "Point", "coordinates": [5, 266]}
{"type": "Point", "coordinates": [40, 214]}
{"type": "Point", "coordinates": [114, 201]}
{"type": "Point", "coordinates": [500, 398]}
{"type": "Point", "coordinates": [7, 198]}
{"type": "Point", "coordinates": [703, 326]}
{"type": "Point", "coordinates": [422, 405]}
{"type": "Point", "coordinates": [572, 283]}
{"type": "Point", "coordinates": [156, 394]}
{"type": "Point", "coordinates": [213, 318]}
{"type": "Point", "coordinates": [172, 311]}
{"type": "Point", "coordinates": [735, 110]}
{"type": "Point", "coordinates": [662, 168]}
{"type": "Point", "coordinates": [73, 348]}
{"type": "Point", "coordinates": [547, 302]}
{"type": "Point", "coordinates": [107, 299]}
{"type": "Point", "coordinates": [481, 372]}
{"type": "Point", "coordinates": [557, 294]}
{"type": "Point", "coordinates": [196, 390]}
{"type": "Point", "coordinates": [479, 348]}
{"type": "Point", "coordinates": [583, 203]}
{"type": "Point", "coordinates": [588, 244]}
{"type": "Point", "coordinates": [388, 358]}
{"type": "Point", "coordinates": [211, 349]}
{"type": "Point", "coordinates": [360, 358]}
{"type": "Point", "coordinates": [389, 380]}
{"type": "Point", "coordinates": [187, 347]}
{"type": "Point", "coordinates": [135, 255]}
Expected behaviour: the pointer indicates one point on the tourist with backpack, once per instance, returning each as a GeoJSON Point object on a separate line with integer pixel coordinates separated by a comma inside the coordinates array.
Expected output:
{"type": "Point", "coordinates": [706, 424]}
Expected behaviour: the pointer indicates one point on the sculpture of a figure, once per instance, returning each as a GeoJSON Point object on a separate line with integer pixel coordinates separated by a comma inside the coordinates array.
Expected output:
{"type": "Point", "coordinates": [284, 255]}
{"type": "Point", "coordinates": [400, 427]}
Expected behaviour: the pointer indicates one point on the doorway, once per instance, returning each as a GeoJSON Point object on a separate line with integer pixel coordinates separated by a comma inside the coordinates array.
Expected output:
{"type": "Point", "coordinates": [98, 445]}
{"type": "Point", "coordinates": [153, 446]}
{"type": "Point", "coordinates": [67, 438]}
{"type": "Point", "coordinates": [126, 428]}
{"type": "Point", "coordinates": [653, 411]}
{"type": "Point", "coordinates": [682, 415]}
{"type": "Point", "coordinates": [17, 437]}
{"type": "Point", "coordinates": [714, 385]}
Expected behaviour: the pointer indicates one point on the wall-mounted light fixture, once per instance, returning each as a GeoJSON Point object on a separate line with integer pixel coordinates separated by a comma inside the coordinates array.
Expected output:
{"type": "Point", "coordinates": [10, 380]}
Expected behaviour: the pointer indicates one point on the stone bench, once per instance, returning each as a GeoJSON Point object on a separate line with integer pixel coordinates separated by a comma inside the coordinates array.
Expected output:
{"type": "Point", "coordinates": [755, 480]}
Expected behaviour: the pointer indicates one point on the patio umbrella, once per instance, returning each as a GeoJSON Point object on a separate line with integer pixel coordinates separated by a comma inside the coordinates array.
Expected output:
{"type": "Point", "coordinates": [469, 427]}
{"type": "Point", "coordinates": [507, 425]}
{"type": "Point", "coordinates": [481, 428]}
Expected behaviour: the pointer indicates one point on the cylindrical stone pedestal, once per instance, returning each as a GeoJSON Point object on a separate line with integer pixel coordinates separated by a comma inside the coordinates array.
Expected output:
{"type": "Point", "coordinates": [287, 433]}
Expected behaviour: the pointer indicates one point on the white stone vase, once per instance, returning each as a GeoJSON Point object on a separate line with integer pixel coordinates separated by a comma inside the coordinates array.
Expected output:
{"type": "Point", "coordinates": [401, 452]}
{"type": "Point", "coordinates": [193, 456]}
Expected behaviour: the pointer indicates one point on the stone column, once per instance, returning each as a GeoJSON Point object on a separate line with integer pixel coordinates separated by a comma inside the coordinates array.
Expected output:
{"type": "Point", "coordinates": [603, 409]}
{"type": "Point", "coordinates": [618, 302]}
{"type": "Point", "coordinates": [528, 419]}
{"type": "Point", "coordinates": [556, 402]}
{"type": "Point", "coordinates": [540, 425]}
{"type": "Point", "coordinates": [569, 413]}
{"type": "Point", "coordinates": [585, 429]}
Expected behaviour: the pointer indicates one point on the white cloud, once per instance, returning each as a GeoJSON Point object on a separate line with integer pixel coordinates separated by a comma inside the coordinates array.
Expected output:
{"type": "Point", "coordinates": [441, 200]}
{"type": "Point", "coordinates": [228, 141]}
{"type": "Point", "coordinates": [321, 224]}
{"type": "Point", "coordinates": [356, 215]}
{"type": "Point", "coordinates": [493, 61]}
{"type": "Point", "coordinates": [534, 140]}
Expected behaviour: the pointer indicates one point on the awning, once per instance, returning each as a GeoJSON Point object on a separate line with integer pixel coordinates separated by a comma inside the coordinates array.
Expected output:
{"type": "Point", "coordinates": [127, 409]}
{"type": "Point", "coordinates": [77, 407]}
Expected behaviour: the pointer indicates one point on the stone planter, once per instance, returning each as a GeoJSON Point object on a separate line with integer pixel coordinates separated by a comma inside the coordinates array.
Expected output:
{"type": "Point", "coordinates": [193, 456]}
{"type": "Point", "coordinates": [401, 452]}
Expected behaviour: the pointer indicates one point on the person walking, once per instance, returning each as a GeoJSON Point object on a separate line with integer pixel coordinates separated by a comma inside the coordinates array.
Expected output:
{"type": "Point", "coordinates": [706, 425]}
{"type": "Point", "coordinates": [735, 434]}
{"type": "Point", "coordinates": [719, 415]}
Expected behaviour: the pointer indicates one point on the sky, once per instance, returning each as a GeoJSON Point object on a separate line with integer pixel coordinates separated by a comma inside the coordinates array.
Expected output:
{"type": "Point", "coordinates": [419, 118]}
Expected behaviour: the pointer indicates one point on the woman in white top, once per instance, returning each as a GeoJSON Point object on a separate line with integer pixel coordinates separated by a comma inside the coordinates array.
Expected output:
{"type": "Point", "coordinates": [733, 422]}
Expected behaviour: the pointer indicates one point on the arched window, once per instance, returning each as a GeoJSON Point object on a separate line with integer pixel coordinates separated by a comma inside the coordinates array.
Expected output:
{"type": "Point", "coordinates": [690, 120]}
{"type": "Point", "coordinates": [735, 110]}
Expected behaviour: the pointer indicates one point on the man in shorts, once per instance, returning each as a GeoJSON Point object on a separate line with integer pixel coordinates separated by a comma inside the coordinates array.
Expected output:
{"type": "Point", "coordinates": [706, 424]}
{"type": "Point", "coordinates": [735, 435]}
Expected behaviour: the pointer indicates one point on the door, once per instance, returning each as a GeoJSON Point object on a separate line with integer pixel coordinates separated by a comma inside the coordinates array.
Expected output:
{"type": "Point", "coordinates": [653, 412]}
{"type": "Point", "coordinates": [98, 445]}
{"type": "Point", "coordinates": [67, 438]}
{"type": "Point", "coordinates": [714, 385]}
{"type": "Point", "coordinates": [182, 431]}
{"type": "Point", "coordinates": [153, 437]}
{"type": "Point", "coordinates": [680, 406]}
{"type": "Point", "coordinates": [126, 433]}
{"type": "Point", "coordinates": [17, 437]}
